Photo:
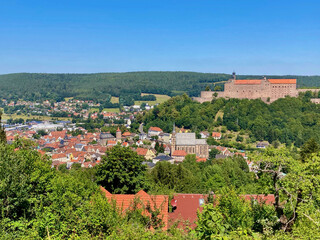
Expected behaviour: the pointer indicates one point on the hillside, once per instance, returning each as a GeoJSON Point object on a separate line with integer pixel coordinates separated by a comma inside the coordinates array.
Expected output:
{"type": "Point", "coordinates": [101, 86]}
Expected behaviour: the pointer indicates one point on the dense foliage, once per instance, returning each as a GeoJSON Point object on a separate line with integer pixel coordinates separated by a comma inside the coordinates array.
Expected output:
{"type": "Point", "coordinates": [203, 177]}
{"type": "Point", "coordinates": [40, 202]}
{"type": "Point", "coordinates": [121, 171]}
{"type": "Point", "coordinates": [127, 86]}
{"type": "Point", "coordinates": [288, 120]}
{"type": "Point", "coordinates": [3, 138]}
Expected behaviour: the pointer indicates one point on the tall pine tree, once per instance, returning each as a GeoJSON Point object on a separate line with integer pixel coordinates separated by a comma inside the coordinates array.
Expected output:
{"type": "Point", "coordinates": [3, 138]}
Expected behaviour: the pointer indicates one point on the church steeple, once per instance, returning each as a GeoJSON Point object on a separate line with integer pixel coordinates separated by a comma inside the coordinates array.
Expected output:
{"type": "Point", "coordinates": [173, 139]}
{"type": "Point", "coordinates": [118, 135]}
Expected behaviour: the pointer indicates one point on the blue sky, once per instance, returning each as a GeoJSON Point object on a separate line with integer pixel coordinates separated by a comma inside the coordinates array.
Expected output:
{"type": "Point", "coordinates": [246, 36]}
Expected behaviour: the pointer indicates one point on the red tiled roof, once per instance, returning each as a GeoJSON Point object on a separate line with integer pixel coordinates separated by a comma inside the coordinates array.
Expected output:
{"type": "Point", "coordinates": [111, 142]}
{"type": "Point", "coordinates": [187, 206]}
{"type": "Point", "coordinates": [156, 129]}
{"type": "Point", "coordinates": [216, 134]}
{"type": "Point", "coordinates": [58, 155]}
{"type": "Point", "coordinates": [142, 151]}
{"type": "Point", "coordinates": [248, 82]}
{"type": "Point", "coordinates": [126, 134]}
{"type": "Point", "coordinates": [125, 202]}
{"type": "Point", "coordinates": [283, 81]}
{"type": "Point", "coordinates": [179, 153]}
{"type": "Point", "coordinates": [201, 159]}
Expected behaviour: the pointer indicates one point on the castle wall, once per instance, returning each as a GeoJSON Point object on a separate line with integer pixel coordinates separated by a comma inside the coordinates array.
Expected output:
{"type": "Point", "coordinates": [268, 90]}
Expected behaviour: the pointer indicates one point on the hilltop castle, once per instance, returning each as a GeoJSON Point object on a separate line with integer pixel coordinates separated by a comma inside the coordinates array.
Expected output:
{"type": "Point", "coordinates": [268, 90]}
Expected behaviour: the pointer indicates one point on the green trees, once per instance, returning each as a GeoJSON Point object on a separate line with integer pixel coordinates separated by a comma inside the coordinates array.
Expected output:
{"type": "Point", "coordinates": [287, 120]}
{"type": "Point", "coordinates": [3, 138]}
{"type": "Point", "coordinates": [23, 176]}
{"type": "Point", "coordinates": [295, 184]}
{"type": "Point", "coordinates": [121, 171]}
{"type": "Point", "coordinates": [232, 217]}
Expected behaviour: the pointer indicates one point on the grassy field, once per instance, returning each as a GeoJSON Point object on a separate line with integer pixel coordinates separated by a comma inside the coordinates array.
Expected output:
{"type": "Point", "coordinates": [219, 114]}
{"type": "Point", "coordinates": [67, 99]}
{"type": "Point", "coordinates": [114, 100]}
{"type": "Point", "coordinates": [92, 110]}
{"type": "Point", "coordinates": [116, 110]}
{"type": "Point", "coordinates": [160, 99]}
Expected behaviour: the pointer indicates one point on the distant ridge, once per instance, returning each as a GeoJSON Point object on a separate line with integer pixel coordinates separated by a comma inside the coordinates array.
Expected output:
{"type": "Point", "coordinates": [94, 86]}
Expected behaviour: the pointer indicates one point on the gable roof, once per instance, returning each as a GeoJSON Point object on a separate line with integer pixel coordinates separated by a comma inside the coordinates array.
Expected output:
{"type": "Point", "coordinates": [185, 139]}
{"type": "Point", "coordinates": [216, 134]}
{"type": "Point", "coordinates": [248, 82]}
{"type": "Point", "coordinates": [126, 134]}
{"type": "Point", "coordinates": [142, 151]}
{"type": "Point", "coordinates": [179, 153]}
{"type": "Point", "coordinates": [283, 81]}
{"type": "Point", "coordinates": [156, 129]}
{"type": "Point", "coordinates": [187, 206]}
{"type": "Point", "coordinates": [125, 201]}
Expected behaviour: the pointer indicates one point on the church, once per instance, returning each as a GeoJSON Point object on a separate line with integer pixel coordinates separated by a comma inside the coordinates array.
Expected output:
{"type": "Point", "coordinates": [188, 143]}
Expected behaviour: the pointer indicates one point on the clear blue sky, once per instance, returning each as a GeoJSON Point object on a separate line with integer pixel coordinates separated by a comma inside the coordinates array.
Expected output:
{"type": "Point", "coordinates": [246, 36]}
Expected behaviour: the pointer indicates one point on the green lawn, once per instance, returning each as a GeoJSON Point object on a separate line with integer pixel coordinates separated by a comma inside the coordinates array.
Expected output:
{"type": "Point", "coordinates": [92, 110]}
{"type": "Point", "coordinates": [114, 100]}
{"type": "Point", "coordinates": [116, 110]}
{"type": "Point", "coordinates": [160, 99]}
{"type": "Point", "coordinates": [68, 98]}
{"type": "Point", "coordinates": [219, 114]}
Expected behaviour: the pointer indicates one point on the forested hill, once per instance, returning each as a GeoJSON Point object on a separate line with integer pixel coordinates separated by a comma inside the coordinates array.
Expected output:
{"type": "Point", "coordinates": [35, 86]}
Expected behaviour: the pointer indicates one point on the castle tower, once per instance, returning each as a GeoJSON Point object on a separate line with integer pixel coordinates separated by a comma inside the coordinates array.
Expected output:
{"type": "Point", "coordinates": [173, 139]}
{"type": "Point", "coordinates": [118, 135]}
{"type": "Point", "coordinates": [234, 75]}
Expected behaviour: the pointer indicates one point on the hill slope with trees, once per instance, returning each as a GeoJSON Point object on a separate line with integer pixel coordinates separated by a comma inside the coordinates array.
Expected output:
{"type": "Point", "coordinates": [288, 120]}
{"type": "Point", "coordinates": [101, 86]}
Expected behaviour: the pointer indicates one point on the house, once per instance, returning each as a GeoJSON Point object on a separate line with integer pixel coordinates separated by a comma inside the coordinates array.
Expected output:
{"type": "Point", "coordinates": [61, 157]}
{"type": "Point", "coordinates": [154, 131]}
{"type": "Point", "coordinates": [262, 145]}
{"type": "Point", "coordinates": [216, 135]}
{"type": "Point", "coordinates": [111, 143]}
{"type": "Point", "coordinates": [186, 206]}
{"type": "Point", "coordinates": [126, 202]}
{"type": "Point", "coordinates": [201, 159]}
{"type": "Point", "coordinates": [125, 144]}
{"type": "Point", "coordinates": [163, 158]}
{"type": "Point", "coordinates": [126, 135]}
{"type": "Point", "coordinates": [179, 155]}
{"type": "Point", "coordinates": [148, 154]}
{"type": "Point", "coordinates": [165, 137]}
{"type": "Point", "coordinates": [224, 151]}
{"type": "Point", "coordinates": [204, 134]}
{"type": "Point", "coordinates": [139, 143]}
{"type": "Point", "coordinates": [142, 136]}
{"type": "Point", "coordinates": [167, 149]}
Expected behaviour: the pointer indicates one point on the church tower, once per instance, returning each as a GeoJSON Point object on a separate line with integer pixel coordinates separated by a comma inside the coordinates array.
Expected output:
{"type": "Point", "coordinates": [118, 135]}
{"type": "Point", "coordinates": [173, 139]}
